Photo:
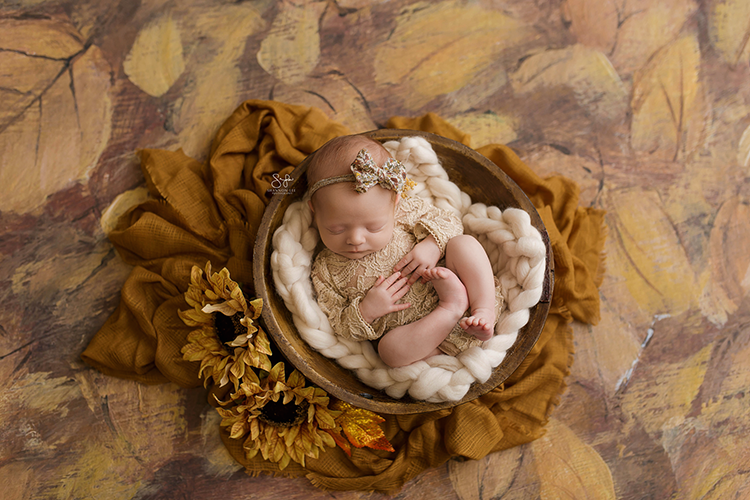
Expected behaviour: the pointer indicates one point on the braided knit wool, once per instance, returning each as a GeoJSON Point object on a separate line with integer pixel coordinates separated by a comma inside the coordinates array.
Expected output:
{"type": "Point", "coordinates": [515, 249]}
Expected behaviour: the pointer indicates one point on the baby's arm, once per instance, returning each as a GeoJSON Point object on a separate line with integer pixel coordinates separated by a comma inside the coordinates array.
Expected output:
{"type": "Point", "coordinates": [383, 297]}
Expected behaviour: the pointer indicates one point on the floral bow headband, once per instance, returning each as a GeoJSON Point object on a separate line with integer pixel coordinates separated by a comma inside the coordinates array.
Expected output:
{"type": "Point", "coordinates": [366, 174]}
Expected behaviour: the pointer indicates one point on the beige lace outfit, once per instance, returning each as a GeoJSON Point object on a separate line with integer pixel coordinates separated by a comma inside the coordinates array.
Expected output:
{"type": "Point", "coordinates": [341, 283]}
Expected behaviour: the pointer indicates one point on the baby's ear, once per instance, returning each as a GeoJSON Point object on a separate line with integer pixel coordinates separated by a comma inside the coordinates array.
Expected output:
{"type": "Point", "coordinates": [314, 223]}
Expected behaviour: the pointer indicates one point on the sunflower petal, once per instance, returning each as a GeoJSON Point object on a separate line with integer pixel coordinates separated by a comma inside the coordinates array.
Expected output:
{"type": "Point", "coordinates": [225, 378]}
{"type": "Point", "coordinates": [284, 461]}
{"type": "Point", "coordinates": [296, 379]}
{"type": "Point", "coordinates": [278, 449]}
{"type": "Point", "coordinates": [254, 429]}
{"type": "Point", "coordinates": [261, 343]}
{"type": "Point", "coordinates": [291, 434]}
{"type": "Point", "coordinates": [276, 373]}
{"type": "Point", "coordinates": [239, 340]}
{"type": "Point", "coordinates": [236, 294]}
{"type": "Point", "coordinates": [257, 307]}
{"type": "Point", "coordinates": [238, 369]}
{"type": "Point", "coordinates": [224, 308]}
{"type": "Point", "coordinates": [196, 275]}
{"type": "Point", "coordinates": [251, 452]}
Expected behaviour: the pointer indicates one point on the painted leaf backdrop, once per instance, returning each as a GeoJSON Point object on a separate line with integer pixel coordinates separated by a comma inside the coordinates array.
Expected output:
{"type": "Point", "coordinates": [669, 109]}
{"type": "Point", "coordinates": [433, 54]}
{"type": "Point", "coordinates": [155, 61]}
{"type": "Point", "coordinates": [729, 29]}
{"type": "Point", "coordinates": [58, 118]}
{"type": "Point", "coordinates": [569, 468]}
{"type": "Point", "coordinates": [644, 103]}
{"type": "Point", "coordinates": [587, 72]}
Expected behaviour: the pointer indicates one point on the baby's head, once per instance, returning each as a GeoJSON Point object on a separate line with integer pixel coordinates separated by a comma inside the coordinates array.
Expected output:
{"type": "Point", "coordinates": [351, 224]}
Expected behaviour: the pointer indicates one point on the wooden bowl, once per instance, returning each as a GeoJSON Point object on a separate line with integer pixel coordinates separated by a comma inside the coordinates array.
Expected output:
{"type": "Point", "coordinates": [474, 174]}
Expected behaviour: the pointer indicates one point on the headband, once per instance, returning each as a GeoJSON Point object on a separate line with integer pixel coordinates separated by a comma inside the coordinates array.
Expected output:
{"type": "Point", "coordinates": [366, 174]}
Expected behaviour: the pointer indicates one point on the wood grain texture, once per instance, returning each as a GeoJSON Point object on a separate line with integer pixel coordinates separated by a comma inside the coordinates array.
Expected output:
{"type": "Point", "coordinates": [645, 103]}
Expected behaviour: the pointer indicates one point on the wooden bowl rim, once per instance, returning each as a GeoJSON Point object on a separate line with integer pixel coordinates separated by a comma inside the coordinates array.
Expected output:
{"type": "Point", "coordinates": [384, 404]}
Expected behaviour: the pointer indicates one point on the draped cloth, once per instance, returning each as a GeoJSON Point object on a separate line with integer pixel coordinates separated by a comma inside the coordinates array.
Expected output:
{"type": "Point", "coordinates": [212, 210]}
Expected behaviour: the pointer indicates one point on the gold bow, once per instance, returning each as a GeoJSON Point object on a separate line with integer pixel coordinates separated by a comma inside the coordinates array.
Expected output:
{"type": "Point", "coordinates": [366, 174]}
{"type": "Point", "coordinates": [392, 175]}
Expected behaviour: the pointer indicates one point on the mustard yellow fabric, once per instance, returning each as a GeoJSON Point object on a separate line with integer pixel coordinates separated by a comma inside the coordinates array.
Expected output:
{"type": "Point", "coordinates": [212, 212]}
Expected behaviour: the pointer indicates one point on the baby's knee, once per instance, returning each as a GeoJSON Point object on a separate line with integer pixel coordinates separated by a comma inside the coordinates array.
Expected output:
{"type": "Point", "coordinates": [390, 352]}
{"type": "Point", "coordinates": [463, 244]}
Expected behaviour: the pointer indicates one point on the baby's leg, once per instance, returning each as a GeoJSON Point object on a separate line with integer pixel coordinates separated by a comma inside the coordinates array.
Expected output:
{"type": "Point", "coordinates": [465, 256]}
{"type": "Point", "coordinates": [419, 340]}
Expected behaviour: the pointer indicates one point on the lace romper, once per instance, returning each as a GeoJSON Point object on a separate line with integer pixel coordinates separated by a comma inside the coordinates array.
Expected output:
{"type": "Point", "coordinates": [341, 283]}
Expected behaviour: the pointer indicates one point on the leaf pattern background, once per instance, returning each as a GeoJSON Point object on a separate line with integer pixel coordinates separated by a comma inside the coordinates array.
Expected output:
{"type": "Point", "coordinates": [155, 60]}
{"type": "Point", "coordinates": [431, 53]}
{"type": "Point", "coordinates": [729, 29]}
{"type": "Point", "coordinates": [57, 118]}
{"type": "Point", "coordinates": [644, 103]}
{"type": "Point", "coordinates": [568, 468]}
{"type": "Point", "coordinates": [669, 109]}
{"type": "Point", "coordinates": [489, 477]}
{"type": "Point", "coordinates": [647, 26]}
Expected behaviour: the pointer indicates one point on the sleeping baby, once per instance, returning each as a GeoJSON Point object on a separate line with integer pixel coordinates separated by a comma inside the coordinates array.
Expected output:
{"type": "Point", "coordinates": [395, 269]}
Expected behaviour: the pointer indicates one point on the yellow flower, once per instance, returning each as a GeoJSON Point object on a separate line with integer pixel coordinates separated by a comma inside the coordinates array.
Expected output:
{"type": "Point", "coordinates": [204, 346]}
{"type": "Point", "coordinates": [226, 341]}
{"type": "Point", "coordinates": [283, 419]}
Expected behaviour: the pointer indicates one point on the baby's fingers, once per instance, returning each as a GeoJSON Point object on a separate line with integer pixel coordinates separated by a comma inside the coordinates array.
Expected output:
{"type": "Point", "coordinates": [407, 265]}
{"type": "Point", "coordinates": [417, 274]}
{"type": "Point", "coordinates": [398, 293]}
{"type": "Point", "coordinates": [403, 262]}
{"type": "Point", "coordinates": [402, 284]}
{"type": "Point", "coordinates": [388, 282]}
{"type": "Point", "coordinates": [401, 307]}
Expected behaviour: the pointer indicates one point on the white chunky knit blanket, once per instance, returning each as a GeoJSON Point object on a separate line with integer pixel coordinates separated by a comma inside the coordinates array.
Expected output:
{"type": "Point", "coordinates": [514, 246]}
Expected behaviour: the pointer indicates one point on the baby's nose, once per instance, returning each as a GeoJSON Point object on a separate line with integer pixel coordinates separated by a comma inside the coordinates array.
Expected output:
{"type": "Point", "coordinates": [355, 237]}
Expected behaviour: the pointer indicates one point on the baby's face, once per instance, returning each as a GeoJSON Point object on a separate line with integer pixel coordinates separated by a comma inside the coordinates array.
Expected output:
{"type": "Point", "coordinates": [353, 224]}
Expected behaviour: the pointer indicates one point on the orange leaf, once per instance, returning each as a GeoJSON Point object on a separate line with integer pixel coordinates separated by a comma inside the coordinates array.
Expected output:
{"type": "Point", "coordinates": [343, 443]}
{"type": "Point", "coordinates": [362, 427]}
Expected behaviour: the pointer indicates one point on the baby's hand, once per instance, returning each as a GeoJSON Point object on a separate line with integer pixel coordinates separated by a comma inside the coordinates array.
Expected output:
{"type": "Point", "coordinates": [422, 257]}
{"type": "Point", "coordinates": [382, 297]}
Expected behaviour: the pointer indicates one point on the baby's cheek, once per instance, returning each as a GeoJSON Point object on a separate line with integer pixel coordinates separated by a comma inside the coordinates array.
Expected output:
{"type": "Point", "coordinates": [387, 237]}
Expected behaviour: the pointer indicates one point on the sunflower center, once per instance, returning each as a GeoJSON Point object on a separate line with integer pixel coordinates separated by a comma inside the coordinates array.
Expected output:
{"type": "Point", "coordinates": [284, 415]}
{"type": "Point", "coordinates": [228, 327]}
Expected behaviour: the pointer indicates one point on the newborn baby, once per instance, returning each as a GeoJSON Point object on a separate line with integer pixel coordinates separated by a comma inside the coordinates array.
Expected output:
{"type": "Point", "coordinates": [394, 269]}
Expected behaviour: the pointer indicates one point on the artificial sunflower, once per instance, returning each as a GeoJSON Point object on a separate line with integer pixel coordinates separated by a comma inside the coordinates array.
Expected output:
{"type": "Point", "coordinates": [283, 419]}
{"type": "Point", "coordinates": [226, 340]}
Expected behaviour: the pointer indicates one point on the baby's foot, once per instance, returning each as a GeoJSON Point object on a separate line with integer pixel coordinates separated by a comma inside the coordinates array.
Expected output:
{"type": "Point", "coordinates": [480, 324]}
{"type": "Point", "coordinates": [451, 292]}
